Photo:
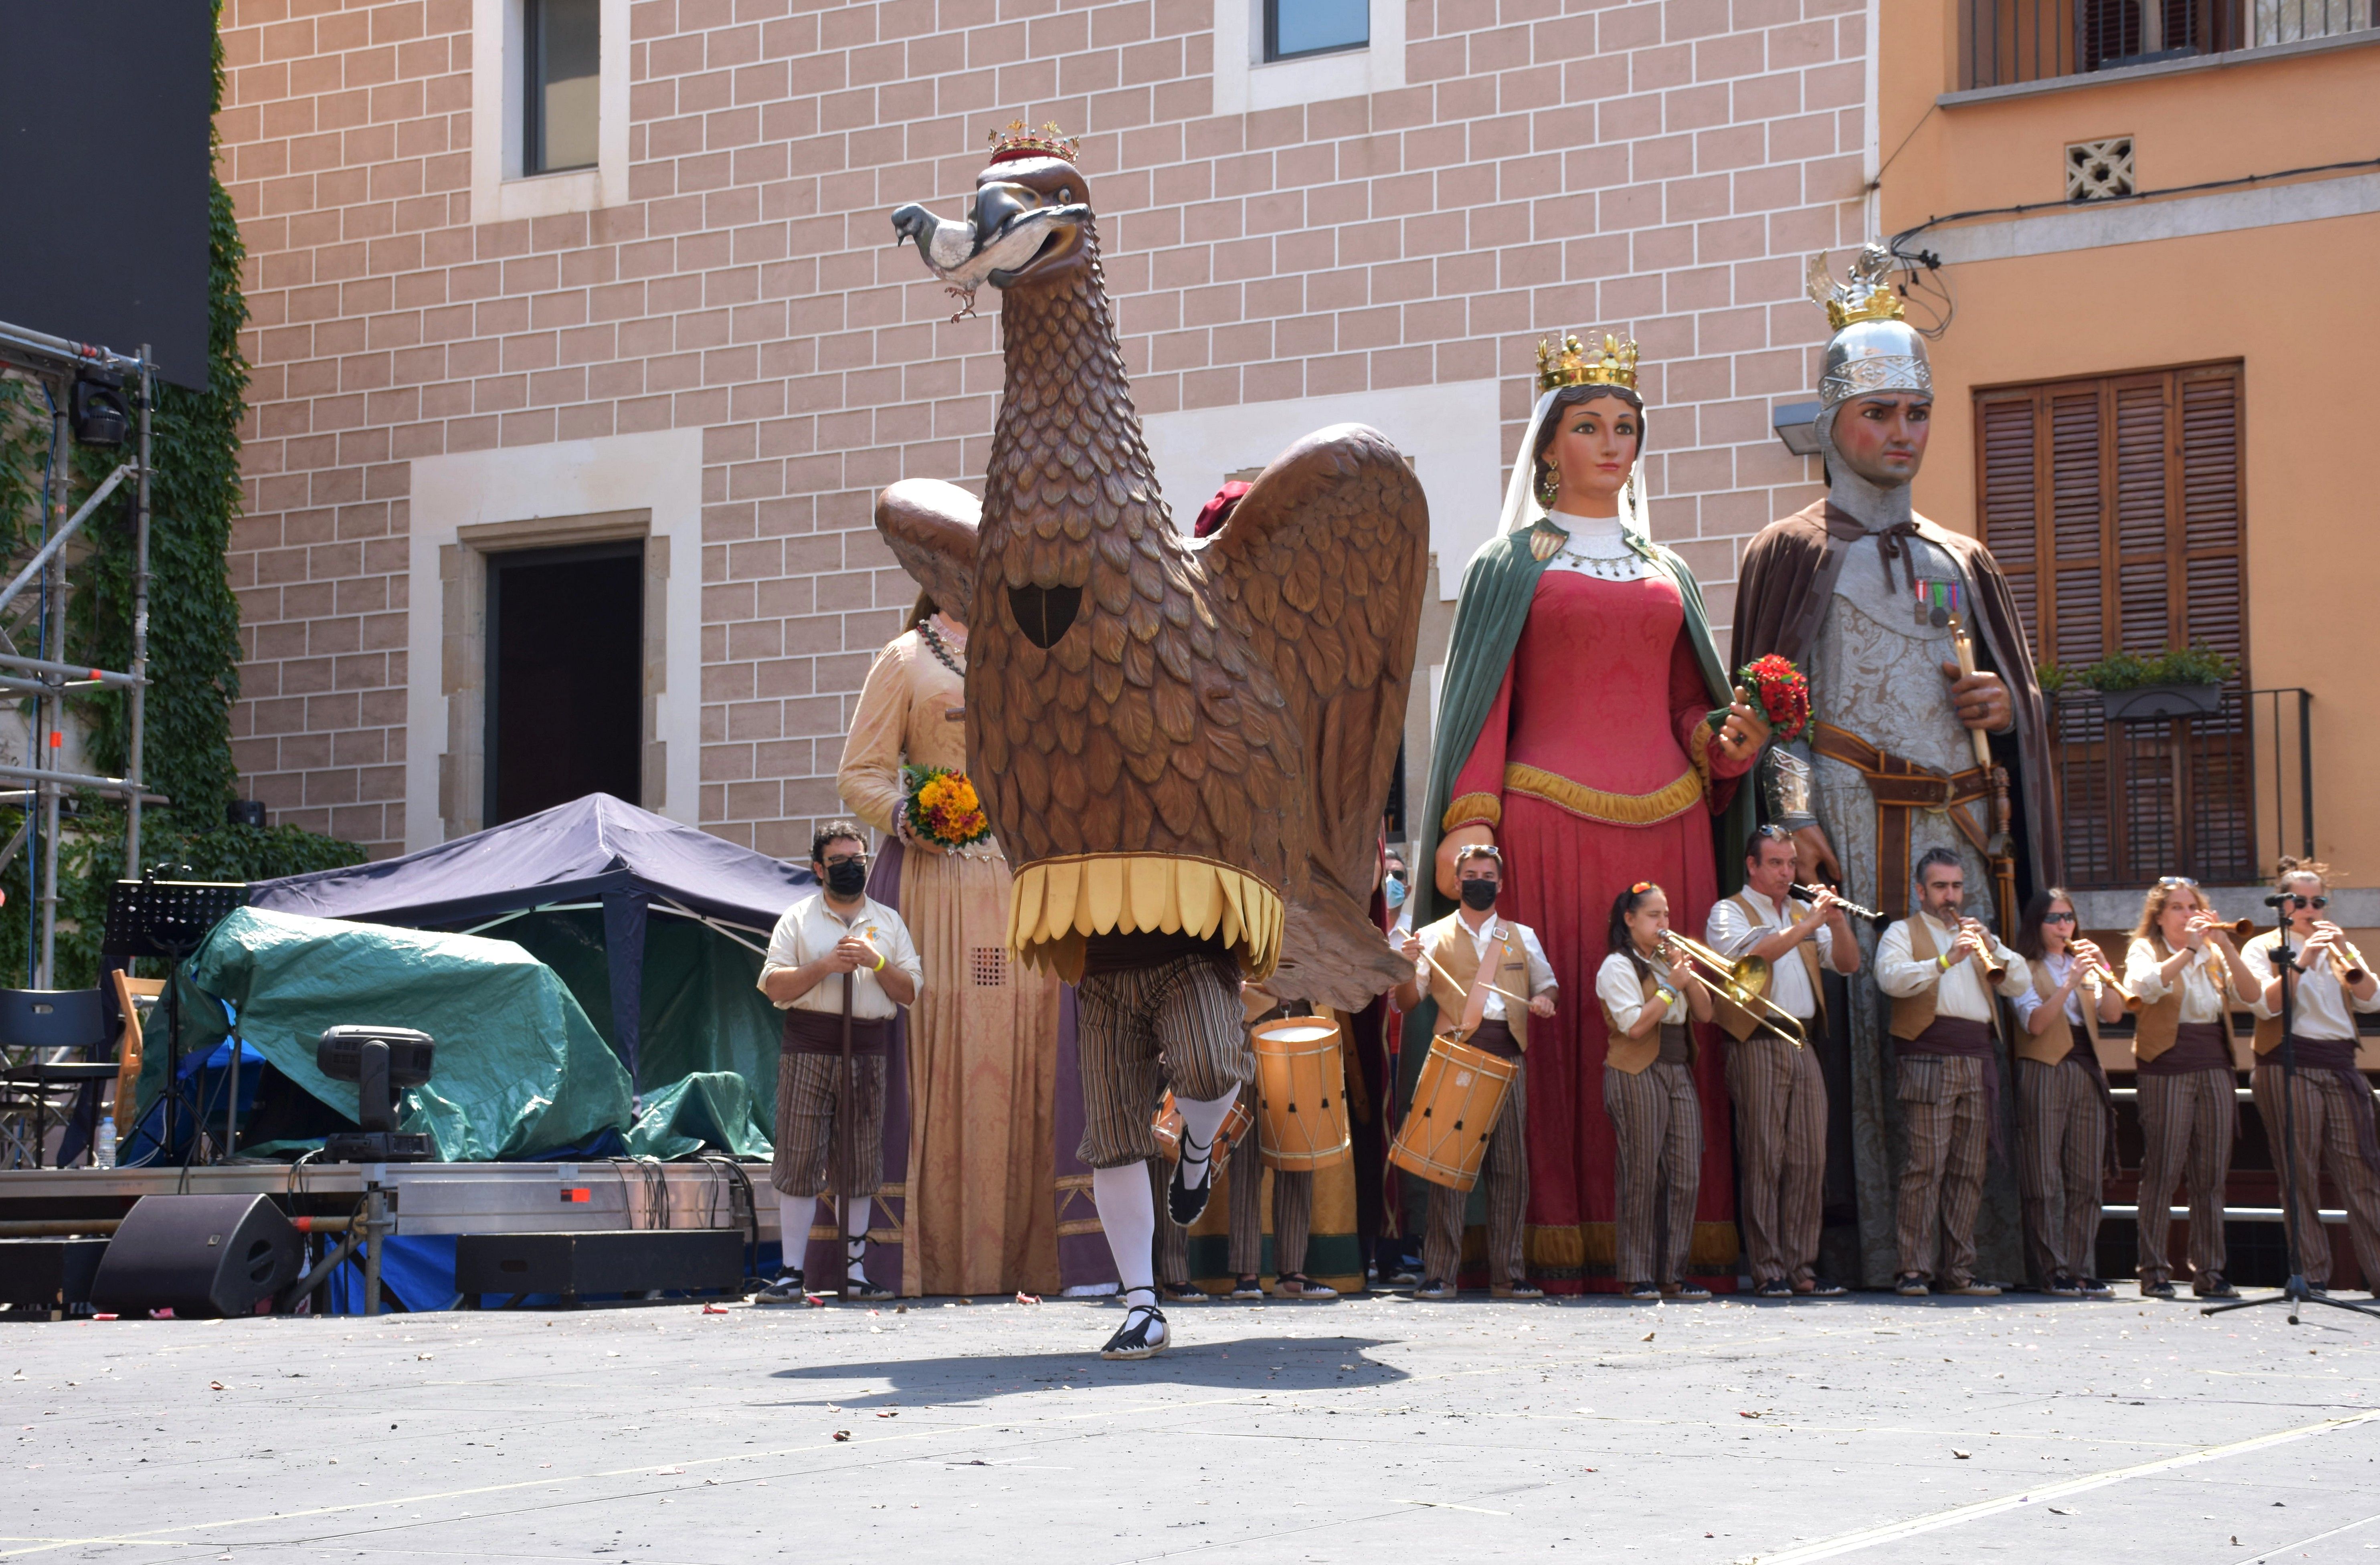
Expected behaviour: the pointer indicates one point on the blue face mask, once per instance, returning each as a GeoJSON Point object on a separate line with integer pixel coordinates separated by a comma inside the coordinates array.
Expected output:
{"type": "Point", "coordinates": [1394, 890]}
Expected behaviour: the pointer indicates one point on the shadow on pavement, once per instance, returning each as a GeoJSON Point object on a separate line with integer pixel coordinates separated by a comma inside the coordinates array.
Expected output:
{"type": "Point", "coordinates": [1253, 1364]}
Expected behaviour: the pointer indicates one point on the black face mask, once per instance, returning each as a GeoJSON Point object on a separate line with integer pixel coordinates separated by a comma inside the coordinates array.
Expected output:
{"type": "Point", "coordinates": [1479, 894]}
{"type": "Point", "coordinates": [847, 877]}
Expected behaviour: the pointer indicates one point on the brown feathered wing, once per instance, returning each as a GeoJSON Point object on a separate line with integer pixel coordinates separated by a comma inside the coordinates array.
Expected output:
{"type": "Point", "coordinates": [1328, 554]}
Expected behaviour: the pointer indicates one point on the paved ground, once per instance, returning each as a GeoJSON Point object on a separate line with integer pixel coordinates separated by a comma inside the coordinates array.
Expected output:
{"type": "Point", "coordinates": [1725, 1432]}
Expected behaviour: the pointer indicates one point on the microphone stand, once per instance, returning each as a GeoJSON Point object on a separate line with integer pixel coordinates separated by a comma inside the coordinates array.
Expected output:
{"type": "Point", "coordinates": [2295, 1291]}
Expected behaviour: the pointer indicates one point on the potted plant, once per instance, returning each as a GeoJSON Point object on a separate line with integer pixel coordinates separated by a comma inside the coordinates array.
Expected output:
{"type": "Point", "coordinates": [2186, 682]}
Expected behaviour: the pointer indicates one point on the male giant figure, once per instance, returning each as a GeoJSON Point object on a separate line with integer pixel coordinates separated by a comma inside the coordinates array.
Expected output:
{"type": "Point", "coordinates": [1867, 597]}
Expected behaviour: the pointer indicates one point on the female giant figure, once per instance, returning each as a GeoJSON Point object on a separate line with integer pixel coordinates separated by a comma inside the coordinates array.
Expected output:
{"type": "Point", "coordinates": [1575, 732]}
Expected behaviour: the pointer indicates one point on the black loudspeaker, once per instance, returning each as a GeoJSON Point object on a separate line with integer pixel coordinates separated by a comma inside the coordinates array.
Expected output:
{"type": "Point", "coordinates": [198, 1255]}
{"type": "Point", "coordinates": [49, 1272]}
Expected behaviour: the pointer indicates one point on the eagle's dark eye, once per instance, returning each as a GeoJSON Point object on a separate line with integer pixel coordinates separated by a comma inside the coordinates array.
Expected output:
{"type": "Point", "coordinates": [1044, 612]}
{"type": "Point", "coordinates": [1065, 194]}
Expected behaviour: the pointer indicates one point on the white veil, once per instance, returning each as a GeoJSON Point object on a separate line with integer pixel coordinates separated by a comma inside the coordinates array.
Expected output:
{"type": "Point", "coordinates": [1521, 508]}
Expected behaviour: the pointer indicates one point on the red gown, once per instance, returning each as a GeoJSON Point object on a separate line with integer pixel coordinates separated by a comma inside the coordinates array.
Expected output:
{"type": "Point", "coordinates": [1590, 750]}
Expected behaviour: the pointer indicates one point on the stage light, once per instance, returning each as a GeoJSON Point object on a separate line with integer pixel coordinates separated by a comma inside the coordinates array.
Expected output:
{"type": "Point", "coordinates": [1796, 424]}
{"type": "Point", "coordinates": [102, 416]}
{"type": "Point", "coordinates": [380, 1061]}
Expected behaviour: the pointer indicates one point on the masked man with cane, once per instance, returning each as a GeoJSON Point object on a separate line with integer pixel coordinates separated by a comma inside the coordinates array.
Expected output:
{"type": "Point", "coordinates": [838, 964]}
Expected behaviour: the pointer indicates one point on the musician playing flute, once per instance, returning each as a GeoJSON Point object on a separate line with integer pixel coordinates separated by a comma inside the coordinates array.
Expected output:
{"type": "Point", "coordinates": [1491, 976]}
{"type": "Point", "coordinates": [1937, 967]}
{"type": "Point", "coordinates": [2063, 1104]}
{"type": "Point", "coordinates": [1779, 1091]}
{"type": "Point", "coordinates": [1648, 1090]}
{"type": "Point", "coordinates": [2186, 973]}
{"type": "Point", "coordinates": [2332, 1132]}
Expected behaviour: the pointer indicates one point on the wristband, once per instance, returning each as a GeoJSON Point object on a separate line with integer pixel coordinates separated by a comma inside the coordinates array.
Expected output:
{"type": "Point", "coordinates": [879, 964]}
{"type": "Point", "coordinates": [1943, 961]}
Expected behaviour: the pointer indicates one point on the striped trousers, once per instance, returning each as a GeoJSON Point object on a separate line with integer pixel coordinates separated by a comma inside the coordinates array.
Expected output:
{"type": "Point", "coordinates": [1781, 1134]}
{"type": "Point", "coordinates": [1658, 1121]}
{"type": "Point", "coordinates": [1175, 1024]}
{"type": "Point", "coordinates": [1942, 1111]}
{"type": "Point", "coordinates": [2187, 1122]}
{"type": "Point", "coordinates": [2323, 1111]}
{"type": "Point", "coordinates": [1504, 1179]}
{"type": "Point", "coordinates": [1293, 1213]}
{"type": "Point", "coordinates": [2063, 1140]}
{"type": "Point", "coordinates": [810, 1100]}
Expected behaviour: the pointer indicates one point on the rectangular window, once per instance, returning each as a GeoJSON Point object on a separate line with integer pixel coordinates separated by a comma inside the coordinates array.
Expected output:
{"type": "Point", "coordinates": [1293, 29]}
{"type": "Point", "coordinates": [2009, 41]}
{"type": "Point", "coordinates": [561, 54]}
{"type": "Point", "coordinates": [2117, 507]}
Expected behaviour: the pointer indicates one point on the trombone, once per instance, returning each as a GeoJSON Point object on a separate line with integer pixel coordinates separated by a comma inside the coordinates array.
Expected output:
{"type": "Point", "coordinates": [1743, 981]}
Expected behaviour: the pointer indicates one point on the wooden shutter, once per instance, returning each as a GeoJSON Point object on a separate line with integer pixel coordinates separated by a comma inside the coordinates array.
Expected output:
{"type": "Point", "coordinates": [2114, 504]}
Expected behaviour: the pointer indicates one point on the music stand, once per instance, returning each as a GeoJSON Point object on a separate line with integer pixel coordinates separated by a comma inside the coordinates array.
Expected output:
{"type": "Point", "coordinates": [167, 920]}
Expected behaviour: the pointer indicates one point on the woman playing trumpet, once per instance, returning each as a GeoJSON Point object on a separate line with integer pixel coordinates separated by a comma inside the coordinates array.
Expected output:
{"type": "Point", "coordinates": [2328, 1122]}
{"type": "Point", "coordinates": [1649, 992]}
{"type": "Point", "coordinates": [2062, 1098]}
{"type": "Point", "coordinates": [2187, 974]}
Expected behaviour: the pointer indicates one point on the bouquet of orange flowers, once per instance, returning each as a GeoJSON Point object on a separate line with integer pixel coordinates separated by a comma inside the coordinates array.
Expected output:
{"type": "Point", "coordinates": [942, 807]}
{"type": "Point", "coordinates": [1780, 691]}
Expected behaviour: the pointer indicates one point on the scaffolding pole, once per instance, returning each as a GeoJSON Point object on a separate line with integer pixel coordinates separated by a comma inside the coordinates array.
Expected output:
{"type": "Point", "coordinates": [139, 697]}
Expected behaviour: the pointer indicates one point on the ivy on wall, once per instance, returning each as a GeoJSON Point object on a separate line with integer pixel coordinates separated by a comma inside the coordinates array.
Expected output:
{"type": "Point", "coordinates": [193, 634]}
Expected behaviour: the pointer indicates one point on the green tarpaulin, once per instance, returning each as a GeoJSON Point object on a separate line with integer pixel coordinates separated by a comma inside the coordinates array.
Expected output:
{"type": "Point", "coordinates": [520, 1068]}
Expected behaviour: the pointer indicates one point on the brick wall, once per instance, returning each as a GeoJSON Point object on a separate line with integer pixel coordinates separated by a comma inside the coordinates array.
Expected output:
{"type": "Point", "coordinates": [1663, 169]}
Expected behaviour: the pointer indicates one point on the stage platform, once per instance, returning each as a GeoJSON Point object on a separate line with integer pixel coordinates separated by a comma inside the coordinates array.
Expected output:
{"type": "Point", "coordinates": [428, 1198]}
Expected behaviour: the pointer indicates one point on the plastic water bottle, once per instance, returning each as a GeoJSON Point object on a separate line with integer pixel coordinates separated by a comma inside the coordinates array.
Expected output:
{"type": "Point", "coordinates": [104, 1150]}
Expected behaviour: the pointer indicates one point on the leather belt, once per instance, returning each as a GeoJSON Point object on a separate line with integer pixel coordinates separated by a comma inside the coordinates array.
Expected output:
{"type": "Point", "coordinates": [1898, 786]}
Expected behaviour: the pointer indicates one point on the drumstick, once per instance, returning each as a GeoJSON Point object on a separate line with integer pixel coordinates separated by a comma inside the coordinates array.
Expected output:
{"type": "Point", "coordinates": [1491, 988]}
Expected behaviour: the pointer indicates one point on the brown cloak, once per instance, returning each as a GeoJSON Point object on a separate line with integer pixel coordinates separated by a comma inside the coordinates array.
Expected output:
{"type": "Point", "coordinates": [1787, 582]}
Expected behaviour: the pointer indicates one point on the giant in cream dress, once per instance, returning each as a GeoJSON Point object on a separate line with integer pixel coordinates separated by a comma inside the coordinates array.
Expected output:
{"type": "Point", "coordinates": [983, 1035]}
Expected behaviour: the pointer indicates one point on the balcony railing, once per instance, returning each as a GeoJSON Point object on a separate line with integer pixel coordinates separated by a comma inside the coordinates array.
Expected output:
{"type": "Point", "coordinates": [2177, 796]}
{"type": "Point", "coordinates": [2007, 41]}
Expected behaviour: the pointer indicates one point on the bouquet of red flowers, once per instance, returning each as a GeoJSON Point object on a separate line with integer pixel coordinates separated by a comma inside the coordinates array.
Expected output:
{"type": "Point", "coordinates": [942, 807]}
{"type": "Point", "coordinates": [1780, 691]}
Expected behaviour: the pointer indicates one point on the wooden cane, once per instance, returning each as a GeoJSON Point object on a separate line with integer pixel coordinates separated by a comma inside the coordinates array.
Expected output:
{"type": "Point", "coordinates": [847, 1140]}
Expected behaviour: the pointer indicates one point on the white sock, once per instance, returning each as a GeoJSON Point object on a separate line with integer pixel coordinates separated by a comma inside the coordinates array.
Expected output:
{"type": "Point", "coordinates": [1128, 1214]}
{"type": "Point", "coordinates": [1200, 1120]}
{"type": "Point", "coordinates": [794, 1217]}
{"type": "Point", "coordinates": [854, 1243]}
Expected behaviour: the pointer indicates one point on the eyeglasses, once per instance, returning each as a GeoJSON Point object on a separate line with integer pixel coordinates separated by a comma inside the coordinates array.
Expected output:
{"type": "Point", "coordinates": [846, 858]}
{"type": "Point", "coordinates": [2058, 918]}
{"type": "Point", "coordinates": [2297, 900]}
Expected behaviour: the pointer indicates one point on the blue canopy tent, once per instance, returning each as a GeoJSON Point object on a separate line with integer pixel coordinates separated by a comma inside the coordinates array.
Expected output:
{"type": "Point", "coordinates": [582, 881]}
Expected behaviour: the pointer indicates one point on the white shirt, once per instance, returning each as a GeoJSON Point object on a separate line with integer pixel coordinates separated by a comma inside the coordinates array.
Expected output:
{"type": "Point", "coordinates": [1731, 934]}
{"type": "Point", "coordinates": [2201, 996]}
{"type": "Point", "coordinates": [1491, 930]}
{"type": "Point", "coordinates": [1958, 992]}
{"type": "Point", "coordinates": [2057, 967]}
{"type": "Point", "coordinates": [1617, 984]}
{"type": "Point", "coordinates": [809, 929]}
{"type": "Point", "coordinates": [2320, 1009]}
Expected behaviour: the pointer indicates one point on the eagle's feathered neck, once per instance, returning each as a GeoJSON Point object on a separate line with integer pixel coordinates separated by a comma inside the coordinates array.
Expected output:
{"type": "Point", "coordinates": [1068, 447]}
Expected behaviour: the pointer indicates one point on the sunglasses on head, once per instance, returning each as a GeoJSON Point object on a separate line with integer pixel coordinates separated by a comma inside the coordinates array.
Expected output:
{"type": "Point", "coordinates": [2171, 881]}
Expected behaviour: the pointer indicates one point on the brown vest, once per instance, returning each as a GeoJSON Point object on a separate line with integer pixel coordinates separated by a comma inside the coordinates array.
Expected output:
{"type": "Point", "coordinates": [1741, 1022]}
{"type": "Point", "coordinates": [2053, 1042]}
{"type": "Point", "coordinates": [1911, 1014]}
{"type": "Point", "coordinates": [2154, 1028]}
{"type": "Point", "coordinates": [1631, 1056]}
{"type": "Point", "coordinates": [1449, 946]}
